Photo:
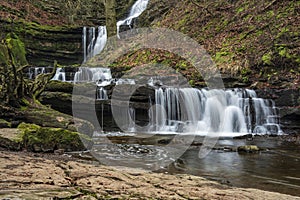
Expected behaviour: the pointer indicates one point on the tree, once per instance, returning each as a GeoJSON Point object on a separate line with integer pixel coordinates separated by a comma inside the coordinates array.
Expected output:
{"type": "Point", "coordinates": [110, 13]}
{"type": "Point", "coordinates": [14, 87]}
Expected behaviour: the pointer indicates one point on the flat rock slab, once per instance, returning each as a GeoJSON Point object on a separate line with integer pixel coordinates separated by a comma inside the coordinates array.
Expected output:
{"type": "Point", "coordinates": [8, 139]}
{"type": "Point", "coordinates": [9, 133]}
{"type": "Point", "coordinates": [46, 176]}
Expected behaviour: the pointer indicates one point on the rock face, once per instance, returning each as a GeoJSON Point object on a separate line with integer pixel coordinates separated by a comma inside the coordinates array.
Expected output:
{"type": "Point", "coordinates": [288, 103]}
{"type": "Point", "coordinates": [52, 30]}
{"type": "Point", "coordinates": [61, 100]}
{"type": "Point", "coordinates": [44, 43]}
{"type": "Point", "coordinates": [59, 96]}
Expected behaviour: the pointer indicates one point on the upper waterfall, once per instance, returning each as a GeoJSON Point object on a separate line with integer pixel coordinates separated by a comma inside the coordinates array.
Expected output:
{"type": "Point", "coordinates": [94, 42]}
{"type": "Point", "coordinates": [137, 9]}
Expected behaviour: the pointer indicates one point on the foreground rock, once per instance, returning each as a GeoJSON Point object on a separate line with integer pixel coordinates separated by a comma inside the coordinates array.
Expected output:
{"type": "Point", "coordinates": [42, 176]}
{"type": "Point", "coordinates": [34, 138]}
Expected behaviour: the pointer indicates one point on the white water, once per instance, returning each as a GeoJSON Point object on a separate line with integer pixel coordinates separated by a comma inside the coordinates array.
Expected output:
{"type": "Point", "coordinates": [34, 71]}
{"type": "Point", "coordinates": [137, 9]}
{"type": "Point", "coordinates": [84, 43]}
{"type": "Point", "coordinates": [228, 113]}
{"type": "Point", "coordinates": [60, 75]}
{"type": "Point", "coordinates": [94, 43]}
{"type": "Point", "coordinates": [101, 40]}
{"type": "Point", "coordinates": [101, 94]}
{"type": "Point", "coordinates": [101, 76]}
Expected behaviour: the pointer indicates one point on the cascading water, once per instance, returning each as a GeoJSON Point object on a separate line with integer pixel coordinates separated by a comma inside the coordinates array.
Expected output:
{"type": "Point", "coordinates": [100, 75]}
{"type": "Point", "coordinates": [92, 36]}
{"type": "Point", "coordinates": [101, 40]}
{"type": "Point", "coordinates": [230, 113]}
{"type": "Point", "coordinates": [101, 94]}
{"type": "Point", "coordinates": [60, 75]}
{"type": "Point", "coordinates": [34, 71]}
{"type": "Point", "coordinates": [93, 46]}
{"type": "Point", "coordinates": [84, 44]}
{"type": "Point", "coordinates": [137, 9]}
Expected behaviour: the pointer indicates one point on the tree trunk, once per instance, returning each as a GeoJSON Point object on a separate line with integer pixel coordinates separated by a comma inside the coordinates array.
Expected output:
{"type": "Point", "coordinates": [111, 21]}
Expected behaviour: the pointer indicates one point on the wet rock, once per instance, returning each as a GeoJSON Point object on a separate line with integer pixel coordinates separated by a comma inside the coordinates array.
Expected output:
{"type": "Point", "coordinates": [282, 97]}
{"type": "Point", "coordinates": [25, 176]}
{"type": "Point", "coordinates": [248, 149]}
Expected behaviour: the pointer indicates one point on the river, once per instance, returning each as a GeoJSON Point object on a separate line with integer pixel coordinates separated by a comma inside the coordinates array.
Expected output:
{"type": "Point", "coordinates": [276, 167]}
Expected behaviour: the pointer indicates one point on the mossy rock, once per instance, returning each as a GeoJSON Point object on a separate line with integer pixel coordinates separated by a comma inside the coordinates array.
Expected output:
{"type": "Point", "coordinates": [47, 117]}
{"type": "Point", "coordinates": [4, 124]}
{"type": "Point", "coordinates": [17, 49]}
{"type": "Point", "coordinates": [46, 139]}
{"type": "Point", "coordinates": [59, 86]}
{"type": "Point", "coordinates": [248, 149]}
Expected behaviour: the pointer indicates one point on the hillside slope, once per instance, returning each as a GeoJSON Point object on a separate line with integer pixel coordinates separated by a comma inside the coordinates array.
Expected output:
{"type": "Point", "coordinates": [246, 39]}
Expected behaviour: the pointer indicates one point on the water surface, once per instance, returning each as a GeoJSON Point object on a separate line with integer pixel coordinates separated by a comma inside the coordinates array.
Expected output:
{"type": "Point", "coordinates": [275, 168]}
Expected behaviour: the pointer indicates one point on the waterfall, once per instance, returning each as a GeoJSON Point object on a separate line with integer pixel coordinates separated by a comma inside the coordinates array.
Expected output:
{"type": "Point", "coordinates": [136, 10]}
{"type": "Point", "coordinates": [60, 75]}
{"type": "Point", "coordinates": [34, 71]}
{"type": "Point", "coordinates": [102, 76]}
{"type": "Point", "coordinates": [94, 43]}
{"type": "Point", "coordinates": [84, 44]}
{"type": "Point", "coordinates": [231, 112]}
{"type": "Point", "coordinates": [101, 94]}
{"type": "Point", "coordinates": [101, 40]}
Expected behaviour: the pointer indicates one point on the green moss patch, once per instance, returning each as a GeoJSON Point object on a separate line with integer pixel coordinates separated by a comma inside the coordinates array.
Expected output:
{"type": "Point", "coordinates": [46, 139]}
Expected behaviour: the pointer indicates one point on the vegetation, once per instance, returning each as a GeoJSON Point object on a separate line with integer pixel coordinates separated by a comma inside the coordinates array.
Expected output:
{"type": "Point", "coordinates": [14, 87]}
{"type": "Point", "coordinates": [261, 39]}
{"type": "Point", "coordinates": [45, 139]}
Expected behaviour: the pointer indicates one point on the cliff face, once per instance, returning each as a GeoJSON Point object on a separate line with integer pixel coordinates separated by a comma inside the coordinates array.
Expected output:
{"type": "Point", "coordinates": [52, 30]}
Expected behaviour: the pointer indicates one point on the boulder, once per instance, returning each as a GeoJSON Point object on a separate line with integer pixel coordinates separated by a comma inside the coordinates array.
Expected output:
{"type": "Point", "coordinates": [9, 139]}
{"type": "Point", "coordinates": [46, 139]}
{"type": "Point", "coordinates": [248, 149]}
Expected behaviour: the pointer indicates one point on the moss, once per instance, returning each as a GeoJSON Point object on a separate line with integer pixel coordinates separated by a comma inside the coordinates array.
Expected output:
{"type": "Point", "coordinates": [248, 149]}
{"type": "Point", "coordinates": [17, 49]}
{"type": "Point", "coordinates": [192, 83]}
{"type": "Point", "coordinates": [50, 139]}
{"type": "Point", "coordinates": [59, 86]}
{"type": "Point", "coordinates": [4, 124]}
{"type": "Point", "coordinates": [4, 58]}
{"type": "Point", "coordinates": [223, 56]}
{"type": "Point", "coordinates": [267, 58]}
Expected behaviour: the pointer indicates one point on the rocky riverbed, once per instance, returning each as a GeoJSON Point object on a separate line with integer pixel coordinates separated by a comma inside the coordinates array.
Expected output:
{"type": "Point", "coordinates": [48, 176]}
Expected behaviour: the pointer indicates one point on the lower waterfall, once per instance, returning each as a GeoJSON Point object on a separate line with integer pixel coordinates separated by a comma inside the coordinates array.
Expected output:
{"type": "Point", "coordinates": [228, 112]}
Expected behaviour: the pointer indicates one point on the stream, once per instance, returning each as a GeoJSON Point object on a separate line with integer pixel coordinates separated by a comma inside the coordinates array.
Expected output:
{"type": "Point", "coordinates": [276, 167]}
